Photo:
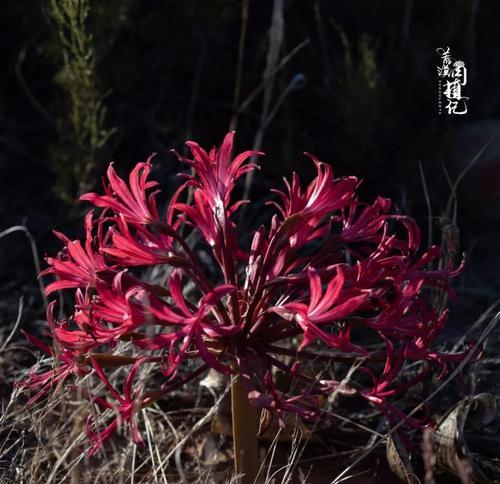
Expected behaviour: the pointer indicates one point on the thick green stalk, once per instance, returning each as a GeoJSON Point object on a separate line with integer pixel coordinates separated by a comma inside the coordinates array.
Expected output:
{"type": "Point", "coordinates": [246, 452]}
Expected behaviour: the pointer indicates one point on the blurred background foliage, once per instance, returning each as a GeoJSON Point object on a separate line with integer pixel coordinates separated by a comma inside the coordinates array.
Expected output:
{"type": "Point", "coordinates": [84, 82]}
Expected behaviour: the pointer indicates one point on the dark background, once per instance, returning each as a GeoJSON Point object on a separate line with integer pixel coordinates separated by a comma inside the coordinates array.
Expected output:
{"type": "Point", "coordinates": [361, 93]}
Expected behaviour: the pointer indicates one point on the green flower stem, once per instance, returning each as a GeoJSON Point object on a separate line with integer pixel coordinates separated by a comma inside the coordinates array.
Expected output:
{"type": "Point", "coordinates": [246, 455]}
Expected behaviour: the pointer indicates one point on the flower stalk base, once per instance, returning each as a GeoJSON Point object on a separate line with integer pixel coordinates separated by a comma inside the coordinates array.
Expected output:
{"type": "Point", "coordinates": [244, 415]}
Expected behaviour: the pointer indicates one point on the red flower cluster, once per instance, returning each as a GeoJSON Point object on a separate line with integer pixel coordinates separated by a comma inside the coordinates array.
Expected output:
{"type": "Point", "coordinates": [330, 279]}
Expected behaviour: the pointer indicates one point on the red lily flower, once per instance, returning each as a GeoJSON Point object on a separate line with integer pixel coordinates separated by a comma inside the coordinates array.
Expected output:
{"type": "Point", "coordinates": [131, 202]}
{"type": "Point", "coordinates": [216, 173]}
{"type": "Point", "coordinates": [324, 309]}
{"type": "Point", "coordinates": [192, 322]}
{"type": "Point", "coordinates": [66, 362]}
{"type": "Point", "coordinates": [77, 266]}
{"type": "Point", "coordinates": [385, 387]}
{"type": "Point", "coordinates": [139, 249]}
{"type": "Point", "coordinates": [127, 407]}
